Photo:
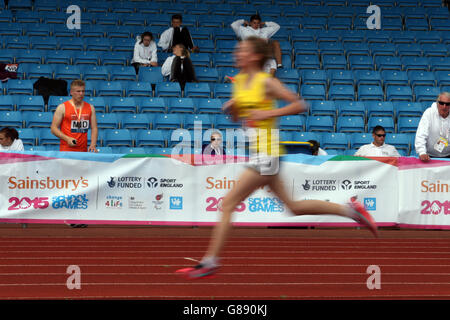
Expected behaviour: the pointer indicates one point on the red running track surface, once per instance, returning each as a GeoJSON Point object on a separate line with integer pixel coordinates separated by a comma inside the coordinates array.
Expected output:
{"type": "Point", "coordinates": [258, 263]}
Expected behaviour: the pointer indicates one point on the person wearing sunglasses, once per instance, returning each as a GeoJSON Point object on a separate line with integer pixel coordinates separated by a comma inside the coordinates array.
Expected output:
{"type": "Point", "coordinates": [432, 135]}
{"type": "Point", "coordinates": [377, 148]}
{"type": "Point", "coordinates": [215, 148]}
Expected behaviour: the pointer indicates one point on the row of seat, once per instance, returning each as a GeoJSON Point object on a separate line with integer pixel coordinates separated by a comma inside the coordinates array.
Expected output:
{"type": "Point", "coordinates": [129, 138]}
{"type": "Point", "coordinates": [349, 120]}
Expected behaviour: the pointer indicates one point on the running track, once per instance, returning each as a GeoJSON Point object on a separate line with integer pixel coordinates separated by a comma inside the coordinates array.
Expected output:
{"type": "Point", "coordinates": [139, 263]}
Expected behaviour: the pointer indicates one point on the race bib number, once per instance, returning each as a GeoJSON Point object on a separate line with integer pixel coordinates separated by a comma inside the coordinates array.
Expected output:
{"type": "Point", "coordinates": [78, 126]}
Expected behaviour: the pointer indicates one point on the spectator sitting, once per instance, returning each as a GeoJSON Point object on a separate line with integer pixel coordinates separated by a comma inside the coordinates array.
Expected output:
{"type": "Point", "coordinates": [178, 67]}
{"type": "Point", "coordinates": [377, 148]}
{"type": "Point", "coordinates": [215, 148]}
{"type": "Point", "coordinates": [257, 28]}
{"type": "Point", "coordinates": [9, 140]}
{"type": "Point", "coordinates": [145, 54]}
{"type": "Point", "coordinates": [176, 34]}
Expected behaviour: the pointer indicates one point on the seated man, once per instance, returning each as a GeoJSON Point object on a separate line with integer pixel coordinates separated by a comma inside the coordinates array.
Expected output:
{"type": "Point", "coordinates": [175, 35]}
{"type": "Point", "coordinates": [377, 148]}
{"type": "Point", "coordinates": [257, 28]}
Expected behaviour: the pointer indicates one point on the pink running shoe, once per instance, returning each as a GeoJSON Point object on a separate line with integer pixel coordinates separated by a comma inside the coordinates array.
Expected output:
{"type": "Point", "coordinates": [362, 216]}
{"type": "Point", "coordinates": [198, 272]}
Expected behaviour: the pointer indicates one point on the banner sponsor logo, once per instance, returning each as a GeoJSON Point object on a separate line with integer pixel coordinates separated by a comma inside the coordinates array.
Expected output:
{"type": "Point", "coordinates": [72, 202]}
{"type": "Point", "coordinates": [125, 182]}
{"type": "Point", "coordinates": [154, 182]}
{"type": "Point", "coordinates": [434, 187]}
{"type": "Point", "coordinates": [370, 204]}
{"type": "Point", "coordinates": [435, 207]}
{"type": "Point", "coordinates": [176, 203]}
{"type": "Point", "coordinates": [25, 203]}
{"type": "Point", "coordinates": [114, 202]}
{"type": "Point", "coordinates": [47, 183]}
{"type": "Point", "coordinates": [335, 185]}
{"type": "Point", "coordinates": [266, 204]}
{"type": "Point", "coordinates": [134, 203]}
{"type": "Point", "coordinates": [158, 201]}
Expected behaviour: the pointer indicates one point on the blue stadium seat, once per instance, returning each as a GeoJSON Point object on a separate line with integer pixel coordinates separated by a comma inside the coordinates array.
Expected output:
{"type": "Point", "coordinates": [334, 62]}
{"type": "Point", "coordinates": [383, 49]}
{"type": "Point", "coordinates": [306, 136]}
{"type": "Point", "coordinates": [320, 123]}
{"type": "Point", "coordinates": [93, 72]}
{"type": "Point", "coordinates": [305, 48]}
{"type": "Point", "coordinates": [434, 50]}
{"type": "Point", "coordinates": [368, 77]}
{"type": "Point", "coordinates": [323, 108]}
{"type": "Point", "coordinates": [220, 59]}
{"type": "Point", "coordinates": [222, 90]}
{"type": "Point", "coordinates": [46, 138]}
{"type": "Point", "coordinates": [386, 122]}
{"type": "Point", "coordinates": [28, 136]}
{"type": "Point", "coordinates": [120, 104]}
{"type": "Point", "coordinates": [197, 90]}
{"type": "Point", "coordinates": [292, 122]}
{"type": "Point", "coordinates": [379, 108]}
{"type": "Point", "coordinates": [151, 75]}
{"type": "Point", "coordinates": [338, 77]}
{"type": "Point", "coordinates": [443, 78]}
{"type": "Point", "coordinates": [395, 77]}
{"type": "Point", "coordinates": [439, 64]}
{"type": "Point", "coordinates": [313, 92]}
{"type": "Point", "coordinates": [357, 139]}
{"type": "Point", "coordinates": [117, 138]}
{"type": "Point", "coordinates": [31, 56]}
{"type": "Point", "coordinates": [180, 105]}
{"type": "Point", "coordinates": [407, 124]}
{"type": "Point", "coordinates": [370, 92]}
{"type": "Point", "coordinates": [107, 121]}
{"type": "Point", "coordinates": [122, 73]}
{"type": "Point", "coordinates": [36, 119]}
{"type": "Point", "coordinates": [107, 88]}
{"type": "Point", "coordinates": [224, 121]}
{"type": "Point", "coordinates": [35, 71]}
{"type": "Point", "coordinates": [43, 43]}
{"type": "Point", "coordinates": [415, 63]}
{"type": "Point", "coordinates": [350, 108]}
{"type": "Point", "coordinates": [204, 120]}
{"type": "Point", "coordinates": [99, 103]}
{"type": "Point", "coordinates": [128, 150]}
{"type": "Point", "coordinates": [426, 93]}
{"type": "Point", "coordinates": [16, 86]}
{"type": "Point", "coordinates": [29, 103]}
{"type": "Point", "coordinates": [207, 74]}
{"type": "Point", "coordinates": [288, 75]}
{"type": "Point", "coordinates": [409, 49]}
{"type": "Point", "coordinates": [7, 103]}
{"type": "Point", "coordinates": [388, 63]}
{"type": "Point", "coordinates": [146, 104]}
{"type": "Point", "coordinates": [401, 141]}
{"type": "Point", "coordinates": [58, 57]}
{"type": "Point", "coordinates": [135, 121]}
{"type": "Point", "coordinates": [211, 106]}
{"type": "Point", "coordinates": [399, 93]}
{"type": "Point", "coordinates": [168, 121]}
{"type": "Point", "coordinates": [360, 62]}
{"type": "Point", "coordinates": [150, 138]}
{"type": "Point", "coordinates": [113, 58]}
{"type": "Point", "coordinates": [307, 61]}
{"type": "Point", "coordinates": [73, 43]}
{"type": "Point", "coordinates": [408, 109]}
{"type": "Point", "coordinates": [341, 92]}
{"type": "Point", "coordinates": [11, 119]}
{"type": "Point", "coordinates": [67, 72]}
{"type": "Point", "coordinates": [335, 140]}
{"type": "Point", "coordinates": [350, 124]}
{"type": "Point", "coordinates": [168, 89]}
{"type": "Point", "coordinates": [421, 78]}
{"type": "Point", "coordinates": [314, 77]}
{"type": "Point", "coordinates": [225, 46]}
{"type": "Point", "coordinates": [357, 49]}
{"type": "Point", "coordinates": [138, 89]}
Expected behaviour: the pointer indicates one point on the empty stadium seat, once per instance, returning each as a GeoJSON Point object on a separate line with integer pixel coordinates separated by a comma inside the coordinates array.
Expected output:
{"type": "Point", "coordinates": [11, 119]}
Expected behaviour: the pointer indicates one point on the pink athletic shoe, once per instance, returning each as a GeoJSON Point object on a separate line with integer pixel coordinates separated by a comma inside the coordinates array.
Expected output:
{"type": "Point", "coordinates": [198, 272]}
{"type": "Point", "coordinates": [362, 216]}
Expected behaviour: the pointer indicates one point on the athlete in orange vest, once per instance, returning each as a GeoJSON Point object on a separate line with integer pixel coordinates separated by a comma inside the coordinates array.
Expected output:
{"type": "Point", "coordinates": [72, 120]}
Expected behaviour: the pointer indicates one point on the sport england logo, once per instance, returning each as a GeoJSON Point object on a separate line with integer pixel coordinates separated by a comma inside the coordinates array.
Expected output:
{"type": "Point", "coordinates": [176, 203]}
{"type": "Point", "coordinates": [346, 185]}
{"type": "Point", "coordinates": [370, 204]}
{"type": "Point", "coordinates": [154, 182]}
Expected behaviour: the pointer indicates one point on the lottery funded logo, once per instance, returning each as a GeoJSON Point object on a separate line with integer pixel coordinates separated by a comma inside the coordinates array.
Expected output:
{"type": "Point", "coordinates": [125, 182]}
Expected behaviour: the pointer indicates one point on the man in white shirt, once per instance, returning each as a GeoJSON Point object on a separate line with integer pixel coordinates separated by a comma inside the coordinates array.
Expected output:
{"type": "Point", "coordinates": [257, 28]}
{"type": "Point", "coordinates": [432, 135]}
{"type": "Point", "coordinates": [9, 140]}
{"type": "Point", "coordinates": [145, 52]}
{"type": "Point", "coordinates": [176, 34]}
{"type": "Point", "coordinates": [377, 148]}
